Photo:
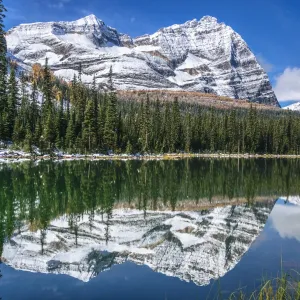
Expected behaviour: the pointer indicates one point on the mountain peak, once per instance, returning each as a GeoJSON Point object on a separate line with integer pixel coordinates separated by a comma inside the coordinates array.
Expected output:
{"type": "Point", "coordinates": [209, 19]}
{"type": "Point", "coordinates": [89, 20]}
{"type": "Point", "coordinates": [206, 21]}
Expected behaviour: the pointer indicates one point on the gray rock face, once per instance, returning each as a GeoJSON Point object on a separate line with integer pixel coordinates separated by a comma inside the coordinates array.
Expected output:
{"type": "Point", "coordinates": [204, 56]}
{"type": "Point", "coordinates": [192, 246]}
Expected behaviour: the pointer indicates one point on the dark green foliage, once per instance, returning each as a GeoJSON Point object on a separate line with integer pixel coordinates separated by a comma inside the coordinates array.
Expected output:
{"type": "Point", "coordinates": [12, 102]}
{"type": "Point", "coordinates": [89, 132]}
{"type": "Point", "coordinates": [70, 134]}
{"type": "Point", "coordinates": [110, 128]}
{"type": "Point", "coordinates": [3, 71]}
{"type": "Point", "coordinates": [175, 142]}
{"type": "Point", "coordinates": [47, 92]}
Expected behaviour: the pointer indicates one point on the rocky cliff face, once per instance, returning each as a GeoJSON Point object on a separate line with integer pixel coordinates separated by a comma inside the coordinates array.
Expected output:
{"type": "Point", "coordinates": [204, 56]}
{"type": "Point", "coordinates": [193, 246]}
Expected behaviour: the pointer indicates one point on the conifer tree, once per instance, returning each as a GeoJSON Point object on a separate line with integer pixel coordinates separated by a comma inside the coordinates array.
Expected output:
{"type": "Point", "coordinates": [145, 127]}
{"type": "Point", "coordinates": [80, 107]}
{"type": "Point", "coordinates": [167, 139]}
{"type": "Point", "coordinates": [47, 92]}
{"type": "Point", "coordinates": [28, 139]}
{"type": "Point", "coordinates": [12, 102]}
{"type": "Point", "coordinates": [60, 125]}
{"type": "Point", "coordinates": [89, 133]}
{"type": "Point", "coordinates": [3, 61]}
{"type": "Point", "coordinates": [49, 132]}
{"type": "Point", "coordinates": [70, 134]}
{"type": "Point", "coordinates": [175, 126]}
{"type": "Point", "coordinates": [110, 135]}
{"type": "Point", "coordinates": [187, 135]}
{"type": "Point", "coordinates": [232, 131]}
{"type": "Point", "coordinates": [17, 135]}
{"type": "Point", "coordinates": [95, 98]}
{"type": "Point", "coordinates": [3, 72]}
{"type": "Point", "coordinates": [251, 130]}
{"type": "Point", "coordinates": [101, 121]}
{"type": "Point", "coordinates": [120, 133]}
{"type": "Point", "coordinates": [37, 133]}
{"type": "Point", "coordinates": [156, 127]}
{"type": "Point", "coordinates": [211, 130]}
{"type": "Point", "coordinates": [48, 115]}
{"type": "Point", "coordinates": [22, 117]}
{"type": "Point", "coordinates": [34, 109]}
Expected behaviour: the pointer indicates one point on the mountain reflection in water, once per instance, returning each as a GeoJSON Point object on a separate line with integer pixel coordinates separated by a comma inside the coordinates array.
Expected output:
{"type": "Point", "coordinates": [190, 219]}
{"type": "Point", "coordinates": [193, 246]}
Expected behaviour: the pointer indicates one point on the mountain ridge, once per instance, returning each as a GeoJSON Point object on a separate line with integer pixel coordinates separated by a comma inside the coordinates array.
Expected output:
{"type": "Point", "coordinates": [204, 56]}
{"type": "Point", "coordinates": [177, 244]}
{"type": "Point", "coordinates": [294, 107]}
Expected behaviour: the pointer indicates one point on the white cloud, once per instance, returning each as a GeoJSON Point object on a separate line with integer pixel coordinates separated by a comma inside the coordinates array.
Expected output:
{"type": "Point", "coordinates": [287, 85]}
{"type": "Point", "coordinates": [285, 220]}
{"type": "Point", "coordinates": [58, 4]}
{"type": "Point", "coordinates": [132, 19]}
{"type": "Point", "coordinates": [267, 66]}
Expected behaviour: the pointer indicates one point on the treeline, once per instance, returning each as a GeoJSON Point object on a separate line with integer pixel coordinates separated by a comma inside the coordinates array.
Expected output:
{"type": "Point", "coordinates": [51, 114]}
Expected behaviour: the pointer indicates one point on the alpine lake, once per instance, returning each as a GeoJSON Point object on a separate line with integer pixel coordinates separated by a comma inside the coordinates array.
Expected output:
{"type": "Point", "coordinates": [165, 229]}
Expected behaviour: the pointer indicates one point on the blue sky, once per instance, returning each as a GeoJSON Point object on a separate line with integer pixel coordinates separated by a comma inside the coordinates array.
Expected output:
{"type": "Point", "coordinates": [270, 27]}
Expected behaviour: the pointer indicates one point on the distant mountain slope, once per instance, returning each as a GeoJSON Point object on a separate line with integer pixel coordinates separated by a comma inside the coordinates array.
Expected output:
{"type": "Point", "coordinates": [204, 56]}
{"type": "Point", "coordinates": [294, 106]}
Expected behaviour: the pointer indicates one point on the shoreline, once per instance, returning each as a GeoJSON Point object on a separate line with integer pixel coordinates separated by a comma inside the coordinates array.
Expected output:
{"type": "Point", "coordinates": [120, 157]}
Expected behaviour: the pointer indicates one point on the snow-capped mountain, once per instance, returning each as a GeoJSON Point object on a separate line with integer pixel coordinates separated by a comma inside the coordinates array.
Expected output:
{"type": "Point", "coordinates": [204, 56]}
{"type": "Point", "coordinates": [193, 246]}
{"type": "Point", "coordinates": [294, 106]}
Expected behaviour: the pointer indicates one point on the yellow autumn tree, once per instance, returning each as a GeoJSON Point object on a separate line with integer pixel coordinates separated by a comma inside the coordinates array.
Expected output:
{"type": "Point", "coordinates": [37, 72]}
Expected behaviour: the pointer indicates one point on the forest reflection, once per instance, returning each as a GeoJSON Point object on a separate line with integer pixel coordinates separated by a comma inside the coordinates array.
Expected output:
{"type": "Point", "coordinates": [36, 193]}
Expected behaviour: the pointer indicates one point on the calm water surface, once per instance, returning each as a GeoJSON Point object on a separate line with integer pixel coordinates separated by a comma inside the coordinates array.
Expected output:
{"type": "Point", "coordinates": [188, 229]}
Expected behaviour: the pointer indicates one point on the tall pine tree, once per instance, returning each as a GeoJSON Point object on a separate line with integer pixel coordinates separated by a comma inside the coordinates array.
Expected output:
{"type": "Point", "coordinates": [89, 131]}
{"type": "Point", "coordinates": [3, 72]}
{"type": "Point", "coordinates": [13, 98]}
{"type": "Point", "coordinates": [110, 134]}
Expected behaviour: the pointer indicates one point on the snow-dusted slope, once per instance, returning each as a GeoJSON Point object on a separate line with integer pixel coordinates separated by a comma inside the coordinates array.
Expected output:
{"type": "Point", "coordinates": [292, 199]}
{"type": "Point", "coordinates": [193, 246]}
{"type": "Point", "coordinates": [204, 56]}
{"type": "Point", "coordinates": [21, 66]}
{"type": "Point", "coordinates": [294, 106]}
